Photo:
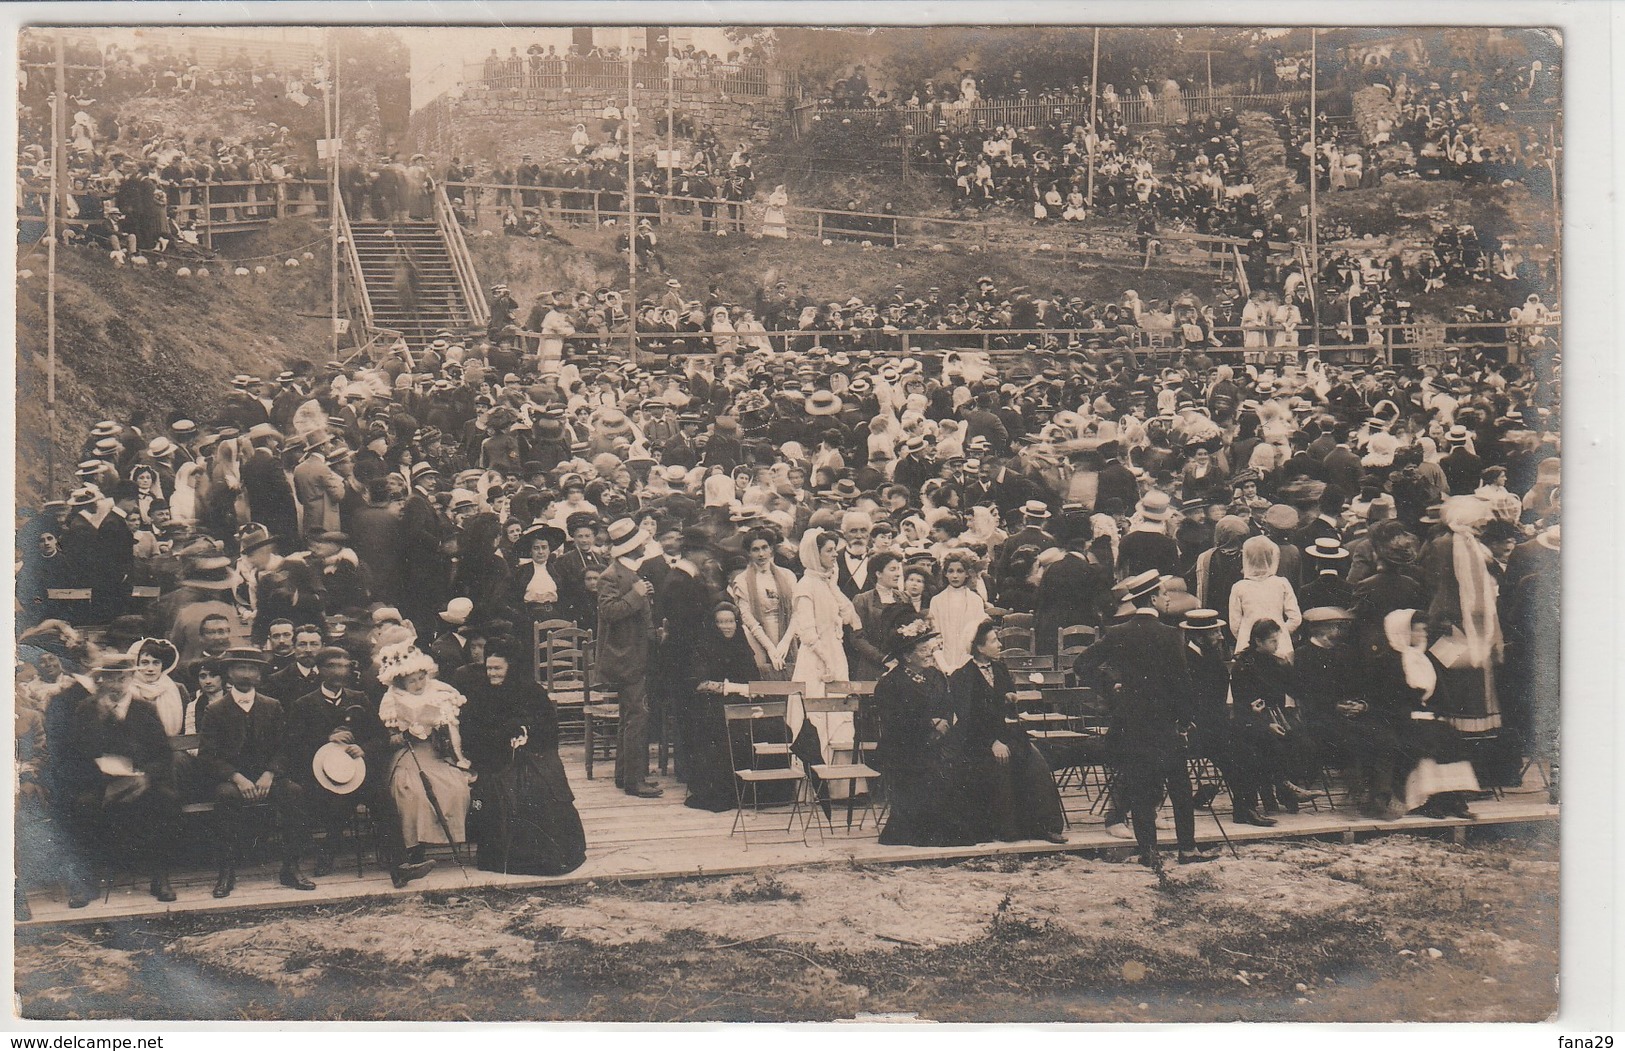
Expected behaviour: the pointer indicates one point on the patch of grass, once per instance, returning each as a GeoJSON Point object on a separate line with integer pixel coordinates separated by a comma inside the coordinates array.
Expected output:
{"type": "Point", "coordinates": [764, 887]}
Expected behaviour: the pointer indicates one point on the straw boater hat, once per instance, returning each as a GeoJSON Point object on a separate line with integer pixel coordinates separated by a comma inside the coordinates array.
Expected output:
{"type": "Point", "coordinates": [1037, 510]}
{"type": "Point", "coordinates": [1138, 586]}
{"type": "Point", "coordinates": [1327, 549]}
{"type": "Point", "coordinates": [822, 403]}
{"type": "Point", "coordinates": [623, 537]}
{"type": "Point", "coordinates": [337, 770]}
{"type": "Point", "coordinates": [1201, 620]}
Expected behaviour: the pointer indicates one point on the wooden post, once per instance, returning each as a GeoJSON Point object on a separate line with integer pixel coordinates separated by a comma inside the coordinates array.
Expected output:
{"type": "Point", "coordinates": [1094, 97]}
{"type": "Point", "coordinates": [54, 206]}
{"type": "Point", "coordinates": [820, 216]}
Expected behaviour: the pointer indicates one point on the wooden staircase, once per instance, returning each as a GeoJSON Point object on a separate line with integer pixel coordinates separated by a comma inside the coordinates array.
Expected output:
{"type": "Point", "coordinates": [447, 291]}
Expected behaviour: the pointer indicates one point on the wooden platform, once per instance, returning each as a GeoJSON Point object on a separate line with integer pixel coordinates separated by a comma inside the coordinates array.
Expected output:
{"type": "Point", "coordinates": [639, 839]}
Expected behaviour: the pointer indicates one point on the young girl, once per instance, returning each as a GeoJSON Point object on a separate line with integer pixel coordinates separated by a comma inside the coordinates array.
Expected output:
{"type": "Point", "coordinates": [1262, 594]}
{"type": "Point", "coordinates": [956, 611]}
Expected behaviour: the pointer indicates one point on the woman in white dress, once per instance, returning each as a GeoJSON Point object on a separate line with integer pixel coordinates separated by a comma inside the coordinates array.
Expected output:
{"type": "Point", "coordinates": [422, 714]}
{"type": "Point", "coordinates": [820, 615]}
{"type": "Point", "coordinates": [773, 223]}
{"type": "Point", "coordinates": [956, 611]}
{"type": "Point", "coordinates": [765, 593]}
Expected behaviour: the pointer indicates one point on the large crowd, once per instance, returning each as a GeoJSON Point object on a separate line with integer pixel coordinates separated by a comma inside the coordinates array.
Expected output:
{"type": "Point", "coordinates": [126, 178]}
{"type": "Point", "coordinates": [334, 576]}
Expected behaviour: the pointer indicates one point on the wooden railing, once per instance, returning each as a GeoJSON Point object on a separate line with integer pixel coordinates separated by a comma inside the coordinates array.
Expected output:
{"type": "Point", "coordinates": [352, 263]}
{"type": "Point", "coordinates": [879, 228]}
{"type": "Point", "coordinates": [527, 75]}
{"type": "Point", "coordinates": [462, 263]}
{"type": "Point", "coordinates": [246, 205]}
{"type": "Point", "coordinates": [1397, 344]}
{"type": "Point", "coordinates": [1039, 112]}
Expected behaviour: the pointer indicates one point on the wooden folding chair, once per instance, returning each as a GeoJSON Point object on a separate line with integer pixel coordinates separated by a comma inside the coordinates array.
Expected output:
{"type": "Point", "coordinates": [1021, 663]}
{"type": "Point", "coordinates": [758, 716]}
{"type": "Point", "coordinates": [851, 773]}
{"type": "Point", "coordinates": [1018, 641]}
{"type": "Point", "coordinates": [1073, 640]}
{"type": "Point", "coordinates": [1069, 728]}
{"type": "Point", "coordinates": [771, 689]}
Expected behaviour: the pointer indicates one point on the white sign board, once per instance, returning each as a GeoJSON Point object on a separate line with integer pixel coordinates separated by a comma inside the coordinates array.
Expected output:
{"type": "Point", "coordinates": [326, 148]}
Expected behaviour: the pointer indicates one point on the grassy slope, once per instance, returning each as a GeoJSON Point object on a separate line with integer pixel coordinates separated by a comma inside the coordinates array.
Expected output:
{"type": "Point", "coordinates": [148, 342]}
{"type": "Point", "coordinates": [739, 265]}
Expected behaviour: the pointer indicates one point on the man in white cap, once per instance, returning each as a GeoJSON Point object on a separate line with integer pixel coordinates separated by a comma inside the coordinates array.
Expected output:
{"type": "Point", "coordinates": [625, 624]}
{"type": "Point", "coordinates": [450, 650]}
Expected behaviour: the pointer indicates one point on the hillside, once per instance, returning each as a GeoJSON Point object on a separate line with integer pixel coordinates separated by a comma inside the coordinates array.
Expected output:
{"type": "Point", "coordinates": [135, 344]}
{"type": "Point", "coordinates": [831, 273]}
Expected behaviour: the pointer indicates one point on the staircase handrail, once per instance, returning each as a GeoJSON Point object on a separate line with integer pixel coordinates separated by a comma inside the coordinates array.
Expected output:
{"type": "Point", "coordinates": [462, 261]}
{"type": "Point", "coordinates": [352, 260]}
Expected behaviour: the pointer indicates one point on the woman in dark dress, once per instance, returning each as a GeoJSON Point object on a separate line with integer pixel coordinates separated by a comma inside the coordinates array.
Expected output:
{"type": "Point", "coordinates": [1270, 735]}
{"type": "Point", "coordinates": [1005, 788]}
{"type": "Point", "coordinates": [534, 594]}
{"type": "Point", "coordinates": [914, 709]}
{"type": "Point", "coordinates": [722, 668]}
{"type": "Point", "coordinates": [1432, 771]}
{"type": "Point", "coordinates": [524, 812]}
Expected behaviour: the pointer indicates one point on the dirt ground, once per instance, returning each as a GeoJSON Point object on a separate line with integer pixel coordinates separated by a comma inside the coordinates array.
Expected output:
{"type": "Point", "coordinates": [1400, 928]}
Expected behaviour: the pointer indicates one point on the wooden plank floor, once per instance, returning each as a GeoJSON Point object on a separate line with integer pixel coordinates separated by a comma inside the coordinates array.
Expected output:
{"type": "Point", "coordinates": [638, 839]}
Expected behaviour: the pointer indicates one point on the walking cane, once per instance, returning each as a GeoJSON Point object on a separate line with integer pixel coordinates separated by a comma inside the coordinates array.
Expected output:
{"type": "Point", "coordinates": [434, 805]}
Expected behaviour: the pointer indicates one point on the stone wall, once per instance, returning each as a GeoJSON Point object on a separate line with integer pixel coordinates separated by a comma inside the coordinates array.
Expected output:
{"type": "Point", "coordinates": [501, 127]}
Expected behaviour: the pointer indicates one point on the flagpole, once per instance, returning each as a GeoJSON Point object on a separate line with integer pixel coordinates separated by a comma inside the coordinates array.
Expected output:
{"type": "Point", "coordinates": [1094, 97]}
{"type": "Point", "coordinates": [58, 190]}
{"type": "Point", "coordinates": [631, 215]}
{"type": "Point", "coordinates": [1314, 164]}
{"type": "Point", "coordinates": [333, 134]}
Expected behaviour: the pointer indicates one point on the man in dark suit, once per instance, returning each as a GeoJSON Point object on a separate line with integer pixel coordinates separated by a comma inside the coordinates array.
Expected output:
{"type": "Point", "coordinates": [1140, 665]}
{"type": "Point", "coordinates": [1073, 590]}
{"type": "Point", "coordinates": [299, 675]}
{"type": "Point", "coordinates": [451, 649]}
{"type": "Point", "coordinates": [135, 814]}
{"type": "Point", "coordinates": [425, 564]}
{"type": "Point", "coordinates": [1343, 467]}
{"type": "Point", "coordinates": [1116, 481]}
{"type": "Point", "coordinates": [1018, 555]}
{"type": "Point", "coordinates": [1461, 468]}
{"type": "Point", "coordinates": [332, 713]}
{"type": "Point", "coordinates": [625, 624]}
{"type": "Point", "coordinates": [241, 753]}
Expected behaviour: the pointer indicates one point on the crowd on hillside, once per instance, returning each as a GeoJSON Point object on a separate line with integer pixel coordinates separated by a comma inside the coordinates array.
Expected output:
{"type": "Point", "coordinates": [126, 178]}
{"type": "Point", "coordinates": [541, 67]}
{"type": "Point", "coordinates": [1195, 178]}
{"type": "Point", "coordinates": [333, 576]}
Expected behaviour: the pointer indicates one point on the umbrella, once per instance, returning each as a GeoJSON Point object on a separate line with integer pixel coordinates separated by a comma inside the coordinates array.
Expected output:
{"type": "Point", "coordinates": [434, 805]}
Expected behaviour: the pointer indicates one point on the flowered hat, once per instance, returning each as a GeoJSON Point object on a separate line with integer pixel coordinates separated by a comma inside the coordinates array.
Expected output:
{"type": "Point", "coordinates": [401, 659]}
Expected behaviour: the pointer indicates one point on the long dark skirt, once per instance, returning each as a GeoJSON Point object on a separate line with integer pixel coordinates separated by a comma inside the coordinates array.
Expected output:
{"type": "Point", "coordinates": [526, 820]}
{"type": "Point", "coordinates": [925, 810]}
{"type": "Point", "coordinates": [712, 751]}
{"type": "Point", "coordinates": [1010, 801]}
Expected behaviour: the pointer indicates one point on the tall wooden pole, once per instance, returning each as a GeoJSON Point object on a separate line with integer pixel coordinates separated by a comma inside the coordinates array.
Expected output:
{"type": "Point", "coordinates": [631, 215]}
{"type": "Point", "coordinates": [1557, 212]}
{"type": "Point", "coordinates": [1314, 164]}
{"type": "Point", "coordinates": [671, 113]}
{"type": "Point", "coordinates": [334, 132]}
{"type": "Point", "coordinates": [1094, 102]}
{"type": "Point", "coordinates": [57, 208]}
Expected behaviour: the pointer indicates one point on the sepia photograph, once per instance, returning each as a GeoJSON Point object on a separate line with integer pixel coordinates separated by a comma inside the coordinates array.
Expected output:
{"type": "Point", "coordinates": [789, 523]}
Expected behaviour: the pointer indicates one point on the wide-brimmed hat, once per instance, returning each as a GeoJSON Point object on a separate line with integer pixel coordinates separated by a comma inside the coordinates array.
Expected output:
{"type": "Point", "coordinates": [244, 655]}
{"type": "Point", "coordinates": [457, 611]}
{"type": "Point", "coordinates": [1138, 586]}
{"type": "Point", "coordinates": [1326, 615]}
{"type": "Point", "coordinates": [1326, 548]}
{"type": "Point", "coordinates": [623, 537]}
{"type": "Point", "coordinates": [337, 770]}
{"type": "Point", "coordinates": [912, 632]}
{"type": "Point", "coordinates": [1035, 509]}
{"type": "Point", "coordinates": [822, 403]}
{"type": "Point", "coordinates": [542, 531]}
{"type": "Point", "coordinates": [1155, 506]}
{"type": "Point", "coordinates": [211, 572]}
{"type": "Point", "coordinates": [254, 536]}
{"type": "Point", "coordinates": [1201, 620]}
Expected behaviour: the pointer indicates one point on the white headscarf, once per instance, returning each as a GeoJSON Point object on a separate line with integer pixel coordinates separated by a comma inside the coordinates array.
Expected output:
{"type": "Point", "coordinates": [1477, 591]}
{"type": "Point", "coordinates": [1419, 671]}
